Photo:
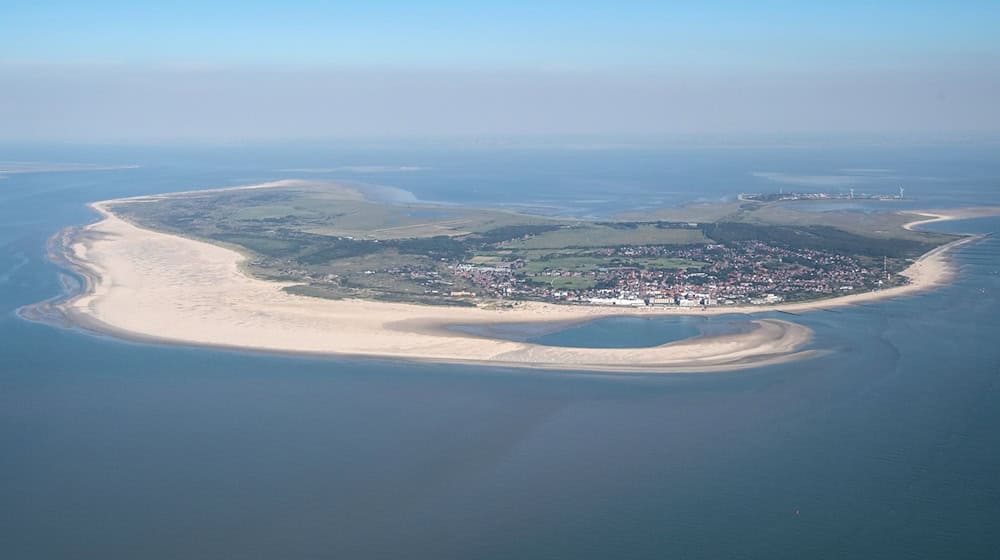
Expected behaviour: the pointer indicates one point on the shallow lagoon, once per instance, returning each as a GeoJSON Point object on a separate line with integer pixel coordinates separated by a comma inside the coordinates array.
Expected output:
{"type": "Point", "coordinates": [614, 332]}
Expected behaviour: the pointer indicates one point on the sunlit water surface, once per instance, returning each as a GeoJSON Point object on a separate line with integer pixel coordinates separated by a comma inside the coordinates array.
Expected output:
{"type": "Point", "coordinates": [886, 447]}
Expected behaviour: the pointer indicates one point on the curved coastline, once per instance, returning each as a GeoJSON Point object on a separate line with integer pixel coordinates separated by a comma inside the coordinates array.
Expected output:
{"type": "Point", "coordinates": [194, 293]}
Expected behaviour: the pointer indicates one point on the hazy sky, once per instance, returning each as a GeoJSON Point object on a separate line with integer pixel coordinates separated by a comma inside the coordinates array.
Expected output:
{"type": "Point", "coordinates": [106, 71]}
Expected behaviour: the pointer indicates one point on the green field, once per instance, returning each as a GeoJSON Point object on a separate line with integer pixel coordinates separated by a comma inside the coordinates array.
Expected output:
{"type": "Point", "coordinates": [584, 263]}
{"type": "Point", "coordinates": [596, 235]}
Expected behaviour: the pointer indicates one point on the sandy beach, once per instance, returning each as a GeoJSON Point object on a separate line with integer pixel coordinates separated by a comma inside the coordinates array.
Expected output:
{"type": "Point", "coordinates": [148, 285]}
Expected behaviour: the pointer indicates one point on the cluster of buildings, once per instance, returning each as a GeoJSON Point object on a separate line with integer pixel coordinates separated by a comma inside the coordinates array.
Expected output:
{"type": "Point", "coordinates": [749, 272]}
{"type": "Point", "coordinates": [742, 272]}
{"type": "Point", "coordinates": [782, 196]}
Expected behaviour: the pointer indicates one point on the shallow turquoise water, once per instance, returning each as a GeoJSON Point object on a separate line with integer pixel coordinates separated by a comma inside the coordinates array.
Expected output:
{"type": "Point", "coordinates": [886, 447]}
{"type": "Point", "coordinates": [636, 332]}
{"type": "Point", "coordinates": [612, 332]}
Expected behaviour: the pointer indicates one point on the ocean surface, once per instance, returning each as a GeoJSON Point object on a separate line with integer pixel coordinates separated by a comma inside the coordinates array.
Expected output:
{"type": "Point", "coordinates": [887, 446]}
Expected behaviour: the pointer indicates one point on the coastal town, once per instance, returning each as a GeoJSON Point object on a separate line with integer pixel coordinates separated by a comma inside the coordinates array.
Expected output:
{"type": "Point", "coordinates": [742, 273]}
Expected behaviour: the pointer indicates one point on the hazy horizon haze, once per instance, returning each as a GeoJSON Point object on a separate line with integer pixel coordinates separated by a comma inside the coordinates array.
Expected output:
{"type": "Point", "coordinates": [111, 71]}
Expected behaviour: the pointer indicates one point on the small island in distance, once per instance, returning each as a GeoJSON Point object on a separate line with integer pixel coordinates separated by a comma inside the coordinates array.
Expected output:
{"type": "Point", "coordinates": [320, 268]}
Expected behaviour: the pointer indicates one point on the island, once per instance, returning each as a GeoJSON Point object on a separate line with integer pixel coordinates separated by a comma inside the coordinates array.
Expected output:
{"type": "Point", "coordinates": [321, 268]}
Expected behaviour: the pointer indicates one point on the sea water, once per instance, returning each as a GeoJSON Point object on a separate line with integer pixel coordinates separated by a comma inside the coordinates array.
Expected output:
{"type": "Point", "coordinates": [886, 446]}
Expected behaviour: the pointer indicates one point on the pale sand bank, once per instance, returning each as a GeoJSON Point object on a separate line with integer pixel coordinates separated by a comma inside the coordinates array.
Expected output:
{"type": "Point", "coordinates": [932, 216]}
{"type": "Point", "coordinates": [155, 286]}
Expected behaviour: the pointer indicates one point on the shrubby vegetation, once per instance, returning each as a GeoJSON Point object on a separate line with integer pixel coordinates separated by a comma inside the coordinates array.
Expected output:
{"type": "Point", "coordinates": [817, 237]}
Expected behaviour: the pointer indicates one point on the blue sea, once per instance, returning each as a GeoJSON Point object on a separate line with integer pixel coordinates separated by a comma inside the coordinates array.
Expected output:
{"type": "Point", "coordinates": [887, 446]}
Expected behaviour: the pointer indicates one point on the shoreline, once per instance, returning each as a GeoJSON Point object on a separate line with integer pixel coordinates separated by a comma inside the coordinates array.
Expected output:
{"type": "Point", "coordinates": [195, 293]}
{"type": "Point", "coordinates": [935, 215]}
